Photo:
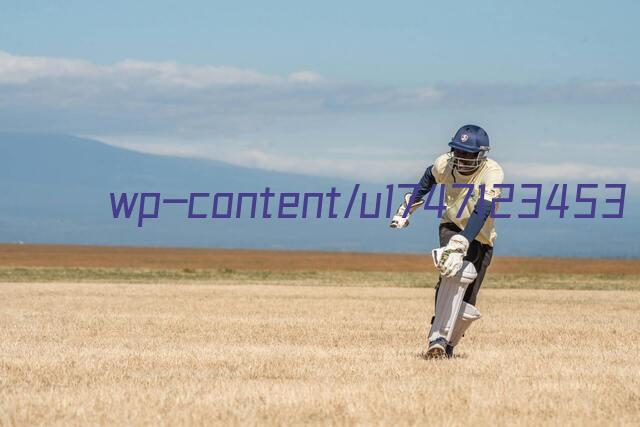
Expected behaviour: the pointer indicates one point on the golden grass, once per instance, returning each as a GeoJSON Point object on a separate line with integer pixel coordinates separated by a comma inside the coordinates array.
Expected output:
{"type": "Point", "coordinates": [142, 354]}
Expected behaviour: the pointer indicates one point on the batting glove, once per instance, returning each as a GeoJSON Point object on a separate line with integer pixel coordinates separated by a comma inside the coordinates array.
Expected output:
{"type": "Point", "coordinates": [401, 218]}
{"type": "Point", "coordinates": [453, 256]}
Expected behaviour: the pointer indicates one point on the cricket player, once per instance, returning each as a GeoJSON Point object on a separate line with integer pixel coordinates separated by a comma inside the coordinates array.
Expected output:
{"type": "Point", "coordinates": [467, 233]}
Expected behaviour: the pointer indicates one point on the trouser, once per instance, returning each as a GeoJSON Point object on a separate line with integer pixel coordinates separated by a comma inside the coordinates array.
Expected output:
{"type": "Point", "coordinates": [478, 254]}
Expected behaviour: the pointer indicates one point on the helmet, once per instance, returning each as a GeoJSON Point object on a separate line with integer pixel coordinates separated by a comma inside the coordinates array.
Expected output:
{"type": "Point", "coordinates": [470, 139]}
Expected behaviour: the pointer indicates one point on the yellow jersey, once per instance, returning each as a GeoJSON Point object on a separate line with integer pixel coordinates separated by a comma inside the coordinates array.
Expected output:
{"type": "Point", "coordinates": [488, 173]}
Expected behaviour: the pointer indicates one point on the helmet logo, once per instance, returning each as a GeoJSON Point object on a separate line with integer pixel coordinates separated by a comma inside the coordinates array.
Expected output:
{"type": "Point", "coordinates": [464, 138]}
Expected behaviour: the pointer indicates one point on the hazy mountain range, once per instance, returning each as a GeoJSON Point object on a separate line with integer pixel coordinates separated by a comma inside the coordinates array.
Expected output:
{"type": "Point", "coordinates": [56, 189]}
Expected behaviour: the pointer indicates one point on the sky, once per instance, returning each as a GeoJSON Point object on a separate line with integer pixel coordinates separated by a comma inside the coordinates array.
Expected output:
{"type": "Point", "coordinates": [370, 91]}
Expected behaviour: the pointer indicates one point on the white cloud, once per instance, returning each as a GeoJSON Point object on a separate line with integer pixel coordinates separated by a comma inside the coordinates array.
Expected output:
{"type": "Point", "coordinates": [22, 69]}
{"type": "Point", "coordinates": [379, 165]}
{"type": "Point", "coordinates": [363, 169]}
{"type": "Point", "coordinates": [570, 171]}
{"type": "Point", "coordinates": [257, 155]}
{"type": "Point", "coordinates": [131, 96]}
{"type": "Point", "coordinates": [179, 94]}
{"type": "Point", "coordinates": [226, 107]}
{"type": "Point", "coordinates": [173, 74]}
{"type": "Point", "coordinates": [612, 148]}
{"type": "Point", "coordinates": [305, 76]}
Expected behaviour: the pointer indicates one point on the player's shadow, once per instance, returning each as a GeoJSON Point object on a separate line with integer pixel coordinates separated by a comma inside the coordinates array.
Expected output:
{"type": "Point", "coordinates": [423, 355]}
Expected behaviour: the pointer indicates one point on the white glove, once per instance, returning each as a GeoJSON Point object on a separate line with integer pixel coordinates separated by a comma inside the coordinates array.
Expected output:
{"type": "Point", "coordinates": [453, 254]}
{"type": "Point", "coordinates": [400, 220]}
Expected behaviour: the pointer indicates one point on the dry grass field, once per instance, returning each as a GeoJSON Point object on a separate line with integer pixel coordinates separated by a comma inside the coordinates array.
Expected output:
{"type": "Point", "coordinates": [102, 345]}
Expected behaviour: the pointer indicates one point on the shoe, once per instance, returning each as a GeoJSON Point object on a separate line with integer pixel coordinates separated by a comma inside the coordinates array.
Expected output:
{"type": "Point", "coordinates": [437, 349]}
{"type": "Point", "coordinates": [448, 351]}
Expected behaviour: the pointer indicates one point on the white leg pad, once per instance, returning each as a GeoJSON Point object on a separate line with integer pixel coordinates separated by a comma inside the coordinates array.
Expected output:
{"type": "Point", "coordinates": [449, 302]}
{"type": "Point", "coordinates": [468, 314]}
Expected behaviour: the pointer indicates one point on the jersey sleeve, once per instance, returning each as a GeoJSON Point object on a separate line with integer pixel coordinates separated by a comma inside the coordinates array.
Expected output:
{"type": "Point", "coordinates": [432, 176]}
{"type": "Point", "coordinates": [481, 211]}
{"type": "Point", "coordinates": [424, 186]}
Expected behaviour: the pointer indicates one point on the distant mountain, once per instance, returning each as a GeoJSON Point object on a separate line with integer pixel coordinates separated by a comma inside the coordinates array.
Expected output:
{"type": "Point", "coordinates": [56, 189]}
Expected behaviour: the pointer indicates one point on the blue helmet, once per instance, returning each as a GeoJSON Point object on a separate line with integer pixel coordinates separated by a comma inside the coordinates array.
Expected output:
{"type": "Point", "coordinates": [470, 139]}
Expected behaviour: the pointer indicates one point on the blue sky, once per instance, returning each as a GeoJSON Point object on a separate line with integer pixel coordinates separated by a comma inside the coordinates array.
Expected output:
{"type": "Point", "coordinates": [410, 43]}
{"type": "Point", "coordinates": [365, 90]}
